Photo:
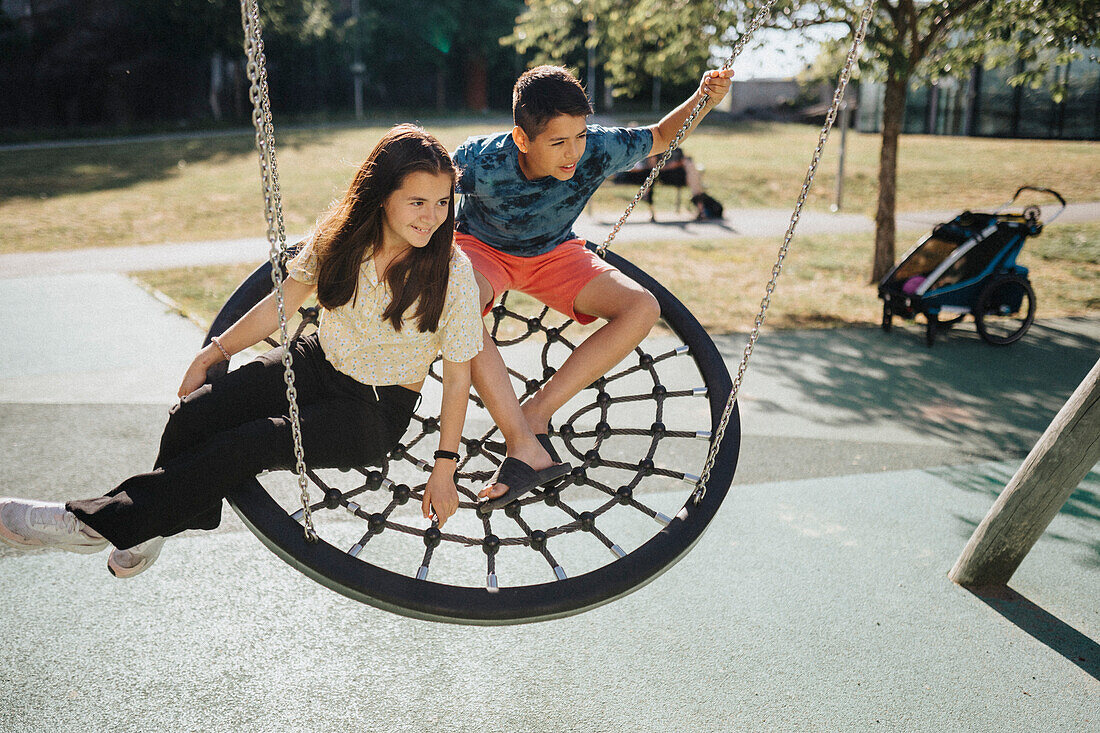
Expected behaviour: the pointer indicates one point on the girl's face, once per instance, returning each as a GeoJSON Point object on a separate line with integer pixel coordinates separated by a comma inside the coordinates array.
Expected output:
{"type": "Point", "coordinates": [413, 212]}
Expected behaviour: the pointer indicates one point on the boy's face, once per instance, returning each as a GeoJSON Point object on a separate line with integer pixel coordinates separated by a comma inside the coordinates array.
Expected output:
{"type": "Point", "coordinates": [554, 151]}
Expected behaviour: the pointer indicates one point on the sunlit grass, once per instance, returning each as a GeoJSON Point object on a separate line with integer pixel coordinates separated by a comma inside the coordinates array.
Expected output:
{"type": "Point", "coordinates": [208, 188]}
{"type": "Point", "coordinates": [823, 284]}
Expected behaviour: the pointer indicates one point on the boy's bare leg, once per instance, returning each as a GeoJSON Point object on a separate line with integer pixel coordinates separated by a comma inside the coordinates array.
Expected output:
{"type": "Point", "coordinates": [630, 311]}
{"type": "Point", "coordinates": [490, 378]}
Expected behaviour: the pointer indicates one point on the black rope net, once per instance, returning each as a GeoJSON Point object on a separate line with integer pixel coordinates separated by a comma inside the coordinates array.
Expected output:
{"type": "Point", "coordinates": [637, 439]}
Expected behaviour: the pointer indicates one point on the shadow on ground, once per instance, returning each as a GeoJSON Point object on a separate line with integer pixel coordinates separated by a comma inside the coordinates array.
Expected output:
{"type": "Point", "coordinates": [992, 402]}
{"type": "Point", "coordinates": [1043, 626]}
{"type": "Point", "coordinates": [687, 224]}
{"type": "Point", "coordinates": [990, 480]}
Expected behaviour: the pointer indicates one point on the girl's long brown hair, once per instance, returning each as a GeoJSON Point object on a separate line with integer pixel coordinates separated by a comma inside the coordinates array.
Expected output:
{"type": "Point", "coordinates": [352, 230]}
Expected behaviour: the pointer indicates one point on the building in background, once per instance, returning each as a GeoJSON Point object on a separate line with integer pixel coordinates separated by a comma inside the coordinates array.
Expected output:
{"type": "Point", "coordinates": [984, 104]}
{"type": "Point", "coordinates": [760, 97]}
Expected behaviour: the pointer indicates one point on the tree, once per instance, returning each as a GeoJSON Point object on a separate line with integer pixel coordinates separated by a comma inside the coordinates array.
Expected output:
{"type": "Point", "coordinates": [908, 39]}
{"type": "Point", "coordinates": [438, 40]}
{"type": "Point", "coordinates": [636, 41]}
{"type": "Point", "coordinates": [122, 62]}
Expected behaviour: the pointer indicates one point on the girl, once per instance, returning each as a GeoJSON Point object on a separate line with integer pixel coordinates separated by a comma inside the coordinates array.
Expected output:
{"type": "Point", "coordinates": [394, 293]}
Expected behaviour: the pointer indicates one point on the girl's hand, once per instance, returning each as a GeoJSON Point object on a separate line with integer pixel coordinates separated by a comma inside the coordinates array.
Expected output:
{"type": "Point", "coordinates": [247, 331]}
{"type": "Point", "coordinates": [440, 495]}
{"type": "Point", "coordinates": [195, 376]}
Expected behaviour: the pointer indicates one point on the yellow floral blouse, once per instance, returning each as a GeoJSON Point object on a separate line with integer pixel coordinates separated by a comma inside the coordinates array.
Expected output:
{"type": "Point", "coordinates": [360, 344]}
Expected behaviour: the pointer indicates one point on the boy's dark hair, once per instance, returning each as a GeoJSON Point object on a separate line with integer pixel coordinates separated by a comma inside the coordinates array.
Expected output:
{"type": "Point", "coordinates": [543, 93]}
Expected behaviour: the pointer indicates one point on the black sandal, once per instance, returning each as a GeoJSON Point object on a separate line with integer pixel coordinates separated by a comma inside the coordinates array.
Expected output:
{"type": "Point", "coordinates": [500, 448]}
{"type": "Point", "coordinates": [521, 480]}
{"type": "Point", "coordinates": [544, 441]}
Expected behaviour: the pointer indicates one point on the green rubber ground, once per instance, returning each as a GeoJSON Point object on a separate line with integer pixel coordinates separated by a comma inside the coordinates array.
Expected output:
{"type": "Point", "coordinates": [818, 599]}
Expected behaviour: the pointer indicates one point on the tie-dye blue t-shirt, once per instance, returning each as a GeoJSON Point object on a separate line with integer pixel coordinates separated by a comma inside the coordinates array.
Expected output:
{"type": "Point", "coordinates": [528, 218]}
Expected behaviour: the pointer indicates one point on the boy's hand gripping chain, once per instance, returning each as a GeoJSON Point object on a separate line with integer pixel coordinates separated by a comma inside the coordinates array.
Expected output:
{"type": "Point", "coordinates": [759, 18]}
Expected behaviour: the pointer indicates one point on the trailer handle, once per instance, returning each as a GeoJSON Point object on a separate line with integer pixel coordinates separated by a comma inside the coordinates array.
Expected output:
{"type": "Point", "coordinates": [1040, 189]}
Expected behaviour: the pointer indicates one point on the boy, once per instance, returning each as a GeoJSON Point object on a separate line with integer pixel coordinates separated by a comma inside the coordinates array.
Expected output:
{"type": "Point", "coordinates": [522, 192]}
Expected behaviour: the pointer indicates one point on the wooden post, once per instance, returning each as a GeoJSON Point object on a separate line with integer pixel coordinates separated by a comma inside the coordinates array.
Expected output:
{"type": "Point", "coordinates": [1068, 450]}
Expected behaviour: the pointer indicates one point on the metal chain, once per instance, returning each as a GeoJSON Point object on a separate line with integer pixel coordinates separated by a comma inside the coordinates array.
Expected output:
{"type": "Point", "coordinates": [742, 41]}
{"type": "Point", "coordinates": [276, 233]}
{"type": "Point", "coordinates": [838, 95]}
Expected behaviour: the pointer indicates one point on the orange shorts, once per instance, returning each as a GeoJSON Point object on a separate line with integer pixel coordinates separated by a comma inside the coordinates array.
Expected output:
{"type": "Point", "coordinates": [554, 278]}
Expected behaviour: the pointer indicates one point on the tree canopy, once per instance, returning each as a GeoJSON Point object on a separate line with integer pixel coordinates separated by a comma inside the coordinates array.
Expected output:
{"type": "Point", "coordinates": [635, 40]}
{"type": "Point", "coordinates": [116, 62]}
{"type": "Point", "coordinates": [913, 39]}
{"type": "Point", "coordinates": [638, 40]}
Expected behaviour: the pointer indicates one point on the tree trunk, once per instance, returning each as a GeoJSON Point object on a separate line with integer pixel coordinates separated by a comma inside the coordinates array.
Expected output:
{"type": "Point", "coordinates": [893, 113]}
{"type": "Point", "coordinates": [477, 82]}
{"type": "Point", "coordinates": [217, 81]}
{"type": "Point", "coordinates": [441, 89]}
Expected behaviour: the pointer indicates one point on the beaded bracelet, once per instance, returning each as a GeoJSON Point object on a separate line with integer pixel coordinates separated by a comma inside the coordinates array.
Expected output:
{"type": "Point", "coordinates": [217, 342]}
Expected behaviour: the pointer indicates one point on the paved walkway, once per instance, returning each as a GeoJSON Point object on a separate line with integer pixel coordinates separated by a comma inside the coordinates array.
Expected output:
{"type": "Point", "coordinates": [818, 600]}
{"type": "Point", "coordinates": [738, 222]}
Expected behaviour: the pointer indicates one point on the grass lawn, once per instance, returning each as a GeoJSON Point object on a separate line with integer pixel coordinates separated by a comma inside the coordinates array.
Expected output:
{"type": "Point", "coordinates": [208, 188]}
{"type": "Point", "coordinates": [823, 283]}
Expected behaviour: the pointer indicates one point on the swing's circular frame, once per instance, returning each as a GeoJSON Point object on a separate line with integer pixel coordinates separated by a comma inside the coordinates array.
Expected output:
{"type": "Point", "coordinates": [427, 600]}
{"type": "Point", "coordinates": [398, 593]}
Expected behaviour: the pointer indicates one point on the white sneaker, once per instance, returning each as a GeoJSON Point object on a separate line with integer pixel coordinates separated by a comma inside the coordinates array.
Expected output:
{"type": "Point", "coordinates": [25, 523]}
{"type": "Point", "coordinates": [128, 563]}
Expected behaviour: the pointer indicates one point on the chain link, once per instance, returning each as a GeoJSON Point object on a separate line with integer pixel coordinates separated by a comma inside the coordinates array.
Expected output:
{"type": "Point", "coordinates": [838, 95]}
{"type": "Point", "coordinates": [276, 232]}
{"type": "Point", "coordinates": [759, 18]}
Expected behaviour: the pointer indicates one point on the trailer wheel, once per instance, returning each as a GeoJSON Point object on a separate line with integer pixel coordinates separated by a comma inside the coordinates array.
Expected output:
{"type": "Point", "coordinates": [1005, 310]}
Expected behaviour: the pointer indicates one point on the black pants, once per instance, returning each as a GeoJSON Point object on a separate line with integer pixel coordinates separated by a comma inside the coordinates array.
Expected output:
{"type": "Point", "coordinates": [226, 433]}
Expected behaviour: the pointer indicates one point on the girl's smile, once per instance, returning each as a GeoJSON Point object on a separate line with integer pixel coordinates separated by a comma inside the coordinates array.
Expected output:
{"type": "Point", "coordinates": [414, 211]}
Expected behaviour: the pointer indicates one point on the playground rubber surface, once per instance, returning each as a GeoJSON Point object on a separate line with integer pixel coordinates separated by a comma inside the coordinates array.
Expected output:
{"type": "Point", "coordinates": [817, 600]}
